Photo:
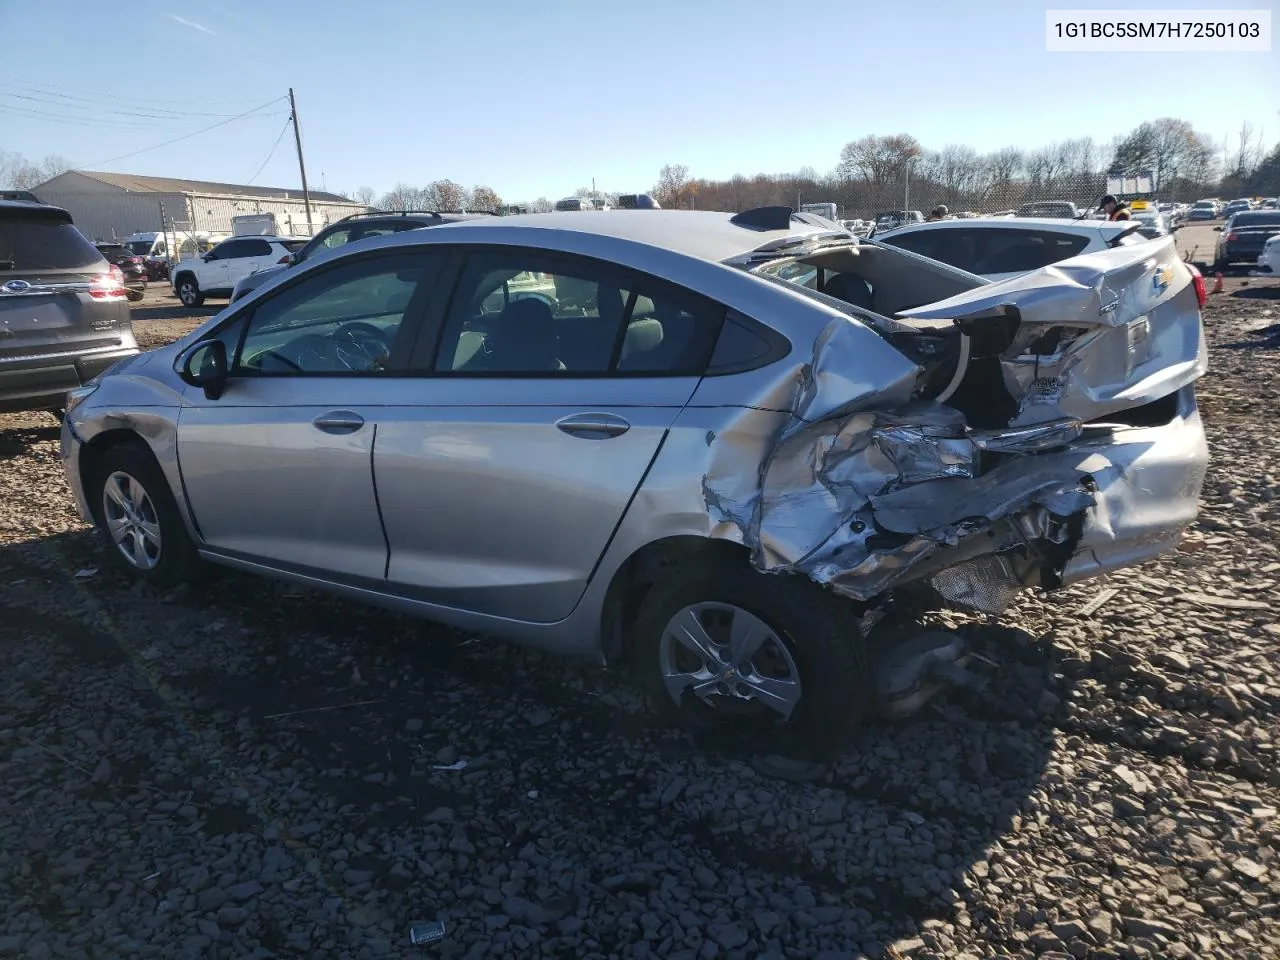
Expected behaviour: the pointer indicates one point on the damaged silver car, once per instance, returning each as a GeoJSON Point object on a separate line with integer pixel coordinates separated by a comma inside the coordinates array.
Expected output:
{"type": "Point", "coordinates": [721, 448]}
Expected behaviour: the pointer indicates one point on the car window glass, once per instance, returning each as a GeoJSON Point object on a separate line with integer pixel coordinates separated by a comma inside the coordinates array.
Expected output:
{"type": "Point", "coordinates": [521, 313]}
{"type": "Point", "coordinates": [256, 248]}
{"type": "Point", "coordinates": [342, 320]}
{"type": "Point", "coordinates": [228, 250]}
{"type": "Point", "coordinates": [337, 238]}
{"type": "Point", "coordinates": [41, 243]}
{"type": "Point", "coordinates": [1020, 251]}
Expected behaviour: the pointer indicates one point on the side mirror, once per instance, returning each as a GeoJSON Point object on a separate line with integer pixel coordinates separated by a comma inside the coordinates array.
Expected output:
{"type": "Point", "coordinates": [204, 364]}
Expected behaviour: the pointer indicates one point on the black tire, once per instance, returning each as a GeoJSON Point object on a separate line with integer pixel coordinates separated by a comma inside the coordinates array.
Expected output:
{"type": "Point", "coordinates": [175, 560]}
{"type": "Point", "coordinates": [820, 634]}
{"type": "Point", "coordinates": [188, 290]}
{"type": "Point", "coordinates": [135, 295]}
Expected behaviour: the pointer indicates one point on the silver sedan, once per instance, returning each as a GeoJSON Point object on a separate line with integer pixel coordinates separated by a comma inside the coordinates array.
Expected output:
{"type": "Point", "coordinates": [718, 447]}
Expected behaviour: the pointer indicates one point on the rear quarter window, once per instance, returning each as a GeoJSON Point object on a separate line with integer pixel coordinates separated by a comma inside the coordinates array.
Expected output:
{"type": "Point", "coordinates": [38, 243]}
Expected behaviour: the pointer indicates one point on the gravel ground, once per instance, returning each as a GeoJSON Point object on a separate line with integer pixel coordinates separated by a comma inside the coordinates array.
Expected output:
{"type": "Point", "coordinates": [244, 770]}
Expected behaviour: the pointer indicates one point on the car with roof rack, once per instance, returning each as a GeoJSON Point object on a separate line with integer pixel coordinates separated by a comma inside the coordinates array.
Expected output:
{"type": "Point", "coordinates": [63, 314]}
{"type": "Point", "coordinates": [358, 226]}
{"type": "Point", "coordinates": [744, 454]}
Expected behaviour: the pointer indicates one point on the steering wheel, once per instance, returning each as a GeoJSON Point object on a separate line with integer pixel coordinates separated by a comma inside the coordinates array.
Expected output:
{"type": "Point", "coordinates": [359, 335]}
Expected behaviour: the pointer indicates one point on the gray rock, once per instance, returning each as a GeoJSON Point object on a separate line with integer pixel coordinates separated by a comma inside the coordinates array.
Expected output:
{"type": "Point", "coordinates": [1249, 868]}
{"type": "Point", "coordinates": [240, 892]}
{"type": "Point", "coordinates": [447, 755]}
{"type": "Point", "coordinates": [731, 936]}
{"type": "Point", "coordinates": [413, 725]}
{"type": "Point", "coordinates": [1146, 927]}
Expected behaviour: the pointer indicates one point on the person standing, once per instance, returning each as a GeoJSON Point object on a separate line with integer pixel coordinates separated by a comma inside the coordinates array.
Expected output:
{"type": "Point", "coordinates": [1114, 209]}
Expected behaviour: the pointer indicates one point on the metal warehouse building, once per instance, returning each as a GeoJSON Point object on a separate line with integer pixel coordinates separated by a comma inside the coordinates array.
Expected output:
{"type": "Point", "coordinates": [107, 206]}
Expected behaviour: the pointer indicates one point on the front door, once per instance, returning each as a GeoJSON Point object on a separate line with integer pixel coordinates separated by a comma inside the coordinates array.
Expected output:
{"type": "Point", "coordinates": [279, 467]}
{"type": "Point", "coordinates": [503, 475]}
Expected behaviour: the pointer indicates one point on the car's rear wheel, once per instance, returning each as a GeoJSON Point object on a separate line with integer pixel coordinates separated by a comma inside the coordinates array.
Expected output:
{"type": "Point", "coordinates": [138, 517]}
{"type": "Point", "coordinates": [189, 291]}
{"type": "Point", "coordinates": [770, 663]}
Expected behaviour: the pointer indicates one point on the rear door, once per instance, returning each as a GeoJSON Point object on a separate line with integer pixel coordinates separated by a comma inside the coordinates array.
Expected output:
{"type": "Point", "coordinates": [251, 255]}
{"type": "Point", "coordinates": [49, 301]}
{"type": "Point", "coordinates": [544, 392]}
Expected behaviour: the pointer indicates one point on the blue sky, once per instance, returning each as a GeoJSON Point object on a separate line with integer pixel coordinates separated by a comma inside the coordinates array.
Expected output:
{"type": "Point", "coordinates": [536, 98]}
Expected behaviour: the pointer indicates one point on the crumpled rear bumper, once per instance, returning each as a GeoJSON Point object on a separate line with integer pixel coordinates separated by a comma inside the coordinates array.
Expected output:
{"type": "Point", "coordinates": [1148, 495]}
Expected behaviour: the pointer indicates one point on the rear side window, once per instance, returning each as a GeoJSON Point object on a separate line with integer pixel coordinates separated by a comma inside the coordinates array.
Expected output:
{"type": "Point", "coordinates": [255, 248]}
{"type": "Point", "coordinates": [954, 247]}
{"type": "Point", "coordinates": [1021, 251]}
{"type": "Point", "coordinates": [40, 243]}
{"type": "Point", "coordinates": [520, 313]}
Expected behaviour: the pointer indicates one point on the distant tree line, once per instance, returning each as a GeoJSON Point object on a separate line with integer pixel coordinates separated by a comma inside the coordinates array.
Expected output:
{"type": "Point", "coordinates": [881, 172]}
{"type": "Point", "coordinates": [19, 173]}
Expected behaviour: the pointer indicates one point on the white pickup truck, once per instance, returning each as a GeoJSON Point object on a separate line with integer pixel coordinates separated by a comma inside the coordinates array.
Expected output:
{"type": "Point", "coordinates": [215, 273]}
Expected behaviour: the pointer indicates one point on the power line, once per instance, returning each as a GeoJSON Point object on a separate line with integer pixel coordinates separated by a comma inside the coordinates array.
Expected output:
{"type": "Point", "coordinates": [44, 86]}
{"type": "Point", "coordinates": [188, 136]}
{"type": "Point", "coordinates": [262, 165]}
{"type": "Point", "coordinates": [79, 121]}
{"type": "Point", "coordinates": [163, 114]}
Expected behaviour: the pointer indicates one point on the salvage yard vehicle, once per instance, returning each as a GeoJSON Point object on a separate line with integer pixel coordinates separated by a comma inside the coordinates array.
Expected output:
{"type": "Point", "coordinates": [1244, 236]}
{"type": "Point", "coordinates": [216, 272]}
{"type": "Point", "coordinates": [747, 447]}
{"type": "Point", "coordinates": [1057, 209]}
{"type": "Point", "coordinates": [998, 248]}
{"type": "Point", "coordinates": [63, 314]}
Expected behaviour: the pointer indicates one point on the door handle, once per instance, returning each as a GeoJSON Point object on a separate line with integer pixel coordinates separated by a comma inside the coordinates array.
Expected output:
{"type": "Point", "coordinates": [339, 421]}
{"type": "Point", "coordinates": [593, 426]}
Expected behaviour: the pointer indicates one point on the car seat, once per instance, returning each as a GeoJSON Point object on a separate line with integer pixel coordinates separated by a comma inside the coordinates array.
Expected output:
{"type": "Point", "coordinates": [522, 339]}
{"type": "Point", "coordinates": [850, 288]}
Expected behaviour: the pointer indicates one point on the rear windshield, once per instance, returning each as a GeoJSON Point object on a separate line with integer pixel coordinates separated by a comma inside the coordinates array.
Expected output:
{"type": "Point", "coordinates": [292, 245]}
{"type": "Point", "coordinates": [1257, 219]}
{"type": "Point", "coordinates": [37, 243]}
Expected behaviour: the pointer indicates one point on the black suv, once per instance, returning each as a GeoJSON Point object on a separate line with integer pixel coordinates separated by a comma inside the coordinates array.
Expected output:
{"type": "Point", "coordinates": [350, 229]}
{"type": "Point", "coordinates": [63, 315]}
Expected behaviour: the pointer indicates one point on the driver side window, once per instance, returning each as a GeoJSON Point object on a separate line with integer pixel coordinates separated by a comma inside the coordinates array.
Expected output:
{"type": "Point", "coordinates": [344, 320]}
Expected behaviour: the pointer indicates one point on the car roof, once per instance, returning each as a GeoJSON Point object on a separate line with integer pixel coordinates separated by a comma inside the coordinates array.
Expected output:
{"type": "Point", "coordinates": [40, 209]}
{"type": "Point", "coordinates": [270, 237]}
{"type": "Point", "coordinates": [696, 233]}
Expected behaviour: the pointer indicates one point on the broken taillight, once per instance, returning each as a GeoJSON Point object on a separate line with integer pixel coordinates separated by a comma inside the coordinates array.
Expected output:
{"type": "Point", "coordinates": [108, 287]}
{"type": "Point", "coordinates": [1197, 282]}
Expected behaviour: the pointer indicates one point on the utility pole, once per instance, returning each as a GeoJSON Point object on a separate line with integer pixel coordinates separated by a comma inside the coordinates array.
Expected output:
{"type": "Point", "coordinates": [302, 169]}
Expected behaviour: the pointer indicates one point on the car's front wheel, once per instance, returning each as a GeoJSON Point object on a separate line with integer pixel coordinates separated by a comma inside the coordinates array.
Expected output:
{"type": "Point", "coordinates": [768, 662]}
{"type": "Point", "coordinates": [139, 519]}
{"type": "Point", "coordinates": [189, 291]}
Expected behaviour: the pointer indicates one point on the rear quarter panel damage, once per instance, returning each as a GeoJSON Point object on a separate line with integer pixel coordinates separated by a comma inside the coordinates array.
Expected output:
{"type": "Point", "coordinates": [864, 486]}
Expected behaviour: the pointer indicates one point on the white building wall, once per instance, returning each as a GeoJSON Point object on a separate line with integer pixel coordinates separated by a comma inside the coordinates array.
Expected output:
{"type": "Point", "coordinates": [112, 213]}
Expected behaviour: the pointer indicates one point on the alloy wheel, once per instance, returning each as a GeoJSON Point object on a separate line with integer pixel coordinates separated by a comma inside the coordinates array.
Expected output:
{"type": "Point", "coordinates": [131, 520]}
{"type": "Point", "coordinates": [726, 656]}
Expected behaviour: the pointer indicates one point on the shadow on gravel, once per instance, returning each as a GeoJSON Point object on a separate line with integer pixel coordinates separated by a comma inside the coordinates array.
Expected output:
{"type": "Point", "coordinates": [18, 441]}
{"type": "Point", "coordinates": [1263, 339]}
{"type": "Point", "coordinates": [1258, 293]}
{"type": "Point", "coordinates": [395, 731]}
{"type": "Point", "coordinates": [174, 311]}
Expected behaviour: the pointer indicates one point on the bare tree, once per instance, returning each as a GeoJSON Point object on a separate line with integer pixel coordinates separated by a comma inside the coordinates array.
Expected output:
{"type": "Point", "coordinates": [484, 198]}
{"type": "Point", "coordinates": [403, 196]}
{"type": "Point", "coordinates": [673, 186]}
{"type": "Point", "coordinates": [878, 160]}
{"type": "Point", "coordinates": [1247, 152]}
{"type": "Point", "coordinates": [363, 195]}
{"type": "Point", "coordinates": [19, 173]}
{"type": "Point", "coordinates": [445, 195]}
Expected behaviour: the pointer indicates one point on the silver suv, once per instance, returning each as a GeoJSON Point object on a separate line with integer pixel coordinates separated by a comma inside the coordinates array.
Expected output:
{"type": "Point", "coordinates": [722, 447]}
{"type": "Point", "coordinates": [63, 314]}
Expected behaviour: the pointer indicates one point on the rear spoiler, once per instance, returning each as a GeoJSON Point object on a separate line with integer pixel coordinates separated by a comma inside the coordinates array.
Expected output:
{"type": "Point", "coordinates": [1130, 231]}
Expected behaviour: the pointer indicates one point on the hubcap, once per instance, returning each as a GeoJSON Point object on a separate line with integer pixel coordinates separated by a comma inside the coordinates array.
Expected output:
{"type": "Point", "coordinates": [723, 654]}
{"type": "Point", "coordinates": [131, 520]}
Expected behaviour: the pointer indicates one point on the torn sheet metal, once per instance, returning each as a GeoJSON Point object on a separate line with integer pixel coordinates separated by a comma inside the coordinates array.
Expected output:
{"type": "Point", "coordinates": [865, 486]}
{"type": "Point", "coordinates": [1097, 334]}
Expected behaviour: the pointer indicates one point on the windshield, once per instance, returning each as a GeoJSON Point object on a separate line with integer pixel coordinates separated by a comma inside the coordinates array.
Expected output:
{"type": "Point", "coordinates": [140, 247]}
